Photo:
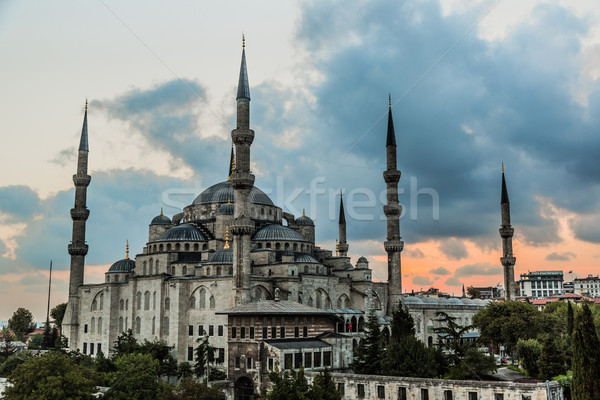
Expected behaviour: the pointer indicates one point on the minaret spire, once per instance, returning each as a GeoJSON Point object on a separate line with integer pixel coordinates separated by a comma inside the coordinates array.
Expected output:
{"type": "Point", "coordinates": [392, 210]}
{"type": "Point", "coordinates": [342, 246]}
{"type": "Point", "coordinates": [242, 181]}
{"type": "Point", "coordinates": [78, 248]}
{"type": "Point", "coordinates": [508, 259]}
{"type": "Point", "coordinates": [231, 164]}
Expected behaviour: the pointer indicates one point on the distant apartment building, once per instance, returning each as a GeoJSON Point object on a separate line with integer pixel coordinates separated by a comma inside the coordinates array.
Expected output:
{"type": "Point", "coordinates": [589, 286]}
{"type": "Point", "coordinates": [490, 292]}
{"type": "Point", "coordinates": [541, 283]}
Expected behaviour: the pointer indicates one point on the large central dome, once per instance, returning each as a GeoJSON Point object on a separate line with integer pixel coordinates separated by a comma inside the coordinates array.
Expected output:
{"type": "Point", "coordinates": [223, 192]}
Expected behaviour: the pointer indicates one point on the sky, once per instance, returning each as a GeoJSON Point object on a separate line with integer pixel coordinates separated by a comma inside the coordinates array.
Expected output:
{"type": "Point", "coordinates": [473, 84]}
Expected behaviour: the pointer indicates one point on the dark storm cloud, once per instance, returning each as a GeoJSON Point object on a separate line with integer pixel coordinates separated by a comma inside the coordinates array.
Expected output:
{"type": "Point", "coordinates": [566, 256]}
{"type": "Point", "coordinates": [454, 249]}
{"type": "Point", "coordinates": [587, 228]}
{"type": "Point", "coordinates": [440, 271]}
{"type": "Point", "coordinates": [18, 203]}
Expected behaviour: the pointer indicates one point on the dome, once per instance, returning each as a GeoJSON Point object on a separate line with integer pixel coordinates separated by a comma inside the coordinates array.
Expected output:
{"type": "Point", "coordinates": [184, 232]}
{"type": "Point", "coordinates": [362, 260]}
{"type": "Point", "coordinates": [124, 265]}
{"type": "Point", "coordinates": [226, 209]}
{"type": "Point", "coordinates": [161, 220]}
{"type": "Point", "coordinates": [288, 252]}
{"type": "Point", "coordinates": [305, 258]}
{"type": "Point", "coordinates": [223, 192]}
{"type": "Point", "coordinates": [223, 256]}
{"type": "Point", "coordinates": [304, 221]}
{"type": "Point", "coordinates": [411, 300]}
{"type": "Point", "coordinates": [278, 232]}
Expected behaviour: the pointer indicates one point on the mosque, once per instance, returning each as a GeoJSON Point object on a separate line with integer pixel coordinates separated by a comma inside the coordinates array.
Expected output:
{"type": "Point", "coordinates": [235, 267]}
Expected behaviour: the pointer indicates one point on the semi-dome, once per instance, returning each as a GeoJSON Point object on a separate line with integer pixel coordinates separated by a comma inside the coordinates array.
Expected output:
{"type": "Point", "coordinates": [161, 220]}
{"type": "Point", "coordinates": [223, 192]}
{"type": "Point", "coordinates": [184, 232]}
{"type": "Point", "coordinates": [305, 258]}
{"type": "Point", "coordinates": [226, 209]}
{"type": "Point", "coordinates": [362, 260]}
{"type": "Point", "coordinates": [304, 220]}
{"type": "Point", "coordinates": [223, 256]}
{"type": "Point", "coordinates": [124, 265]}
{"type": "Point", "coordinates": [278, 232]}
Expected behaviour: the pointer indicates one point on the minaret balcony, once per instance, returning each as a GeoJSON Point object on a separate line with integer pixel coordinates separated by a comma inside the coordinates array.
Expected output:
{"type": "Point", "coordinates": [78, 214]}
{"type": "Point", "coordinates": [242, 136]}
{"type": "Point", "coordinates": [78, 249]}
{"type": "Point", "coordinates": [81, 180]}
{"type": "Point", "coordinates": [392, 176]}
{"type": "Point", "coordinates": [508, 261]}
{"type": "Point", "coordinates": [242, 180]}
{"type": "Point", "coordinates": [392, 210]}
{"type": "Point", "coordinates": [393, 246]}
{"type": "Point", "coordinates": [507, 232]}
{"type": "Point", "coordinates": [242, 226]}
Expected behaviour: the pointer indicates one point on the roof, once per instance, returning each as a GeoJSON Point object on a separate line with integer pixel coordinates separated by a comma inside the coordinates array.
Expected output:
{"type": "Point", "coordinates": [225, 209]}
{"type": "Point", "coordinates": [161, 220]}
{"type": "Point", "coordinates": [362, 259]}
{"type": "Point", "coordinates": [391, 134]}
{"type": "Point", "coordinates": [223, 256]}
{"type": "Point", "coordinates": [124, 265]}
{"type": "Point", "coordinates": [278, 232]}
{"type": "Point", "coordinates": [273, 307]}
{"type": "Point", "coordinates": [184, 232]}
{"type": "Point", "coordinates": [305, 258]}
{"type": "Point", "coordinates": [222, 192]}
{"type": "Point", "coordinates": [83, 143]}
{"type": "Point", "coordinates": [342, 219]}
{"type": "Point", "coordinates": [243, 86]}
{"type": "Point", "coordinates": [284, 344]}
{"type": "Point", "coordinates": [504, 199]}
{"type": "Point", "coordinates": [304, 221]}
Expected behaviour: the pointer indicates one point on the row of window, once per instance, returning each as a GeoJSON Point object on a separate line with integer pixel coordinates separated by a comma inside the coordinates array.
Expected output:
{"type": "Point", "coordinates": [317, 359]}
{"type": "Point", "coordinates": [219, 354]}
{"type": "Point", "coordinates": [202, 332]}
{"type": "Point", "coordinates": [267, 332]}
{"type": "Point", "coordinates": [93, 326]}
{"type": "Point", "coordinates": [84, 349]}
{"type": "Point", "coordinates": [542, 284]}
{"type": "Point", "coordinates": [424, 392]}
{"type": "Point", "coordinates": [168, 247]}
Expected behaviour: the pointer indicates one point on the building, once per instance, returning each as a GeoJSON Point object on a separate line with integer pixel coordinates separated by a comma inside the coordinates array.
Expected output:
{"type": "Point", "coordinates": [538, 284]}
{"type": "Point", "coordinates": [235, 267]}
{"type": "Point", "coordinates": [588, 286]}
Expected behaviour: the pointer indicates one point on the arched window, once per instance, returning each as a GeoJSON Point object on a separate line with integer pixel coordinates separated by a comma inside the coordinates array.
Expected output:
{"type": "Point", "coordinates": [202, 298]}
{"type": "Point", "coordinates": [153, 325]}
{"type": "Point", "coordinates": [295, 246]}
{"type": "Point", "coordinates": [147, 301]}
{"type": "Point", "coordinates": [268, 245]}
{"type": "Point", "coordinates": [139, 300]}
{"type": "Point", "coordinates": [319, 302]}
{"type": "Point", "coordinates": [361, 324]}
{"type": "Point", "coordinates": [277, 246]}
{"type": "Point", "coordinates": [93, 325]}
{"type": "Point", "coordinates": [100, 325]}
{"type": "Point", "coordinates": [166, 326]}
{"type": "Point", "coordinates": [354, 323]}
{"type": "Point", "coordinates": [144, 268]}
{"type": "Point", "coordinates": [173, 270]}
{"type": "Point", "coordinates": [154, 301]}
{"type": "Point", "coordinates": [218, 271]}
{"type": "Point", "coordinates": [184, 271]}
{"type": "Point", "coordinates": [151, 261]}
{"type": "Point", "coordinates": [167, 304]}
{"type": "Point", "coordinates": [168, 246]}
{"type": "Point", "coordinates": [207, 271]}
{"type": "Point", "coordinates": [196, 247]}
{"type": "Point", "coordinates": [120, 324]}
{"type": "Point", "coordinates": [187, 247]}
{"type": "Point", "coordinates": [177, 247]}
{"type": "Point", "coordinates": [94, 305]}
{"type": "Point", "coordinates": [121, 305]}
{"type": "Point", "coordinates": [150, 269]}
{"type": "Point", "coordinates": [212, 302]}
{"type": "Point", "coordinates": [116, 278]}
{"type": "Point", "coordinates": [205, 246]}
{"type": "Point", "coordinates": [160, 247]}
{"type": "Point", "coordinates": [126, 304]}
{"type": "Point", "coordinates": [192, 302]}
{"type": "Point", "coordinates": [157, 266]}
{"type": "Point", "coordinates": [287, 246]}
{"type": "Point", "coordinates": [138, 325]}
{"type": "Point", "coordinates": [126, 323]}
{"type": "Point", "coordinates": [306, 269]}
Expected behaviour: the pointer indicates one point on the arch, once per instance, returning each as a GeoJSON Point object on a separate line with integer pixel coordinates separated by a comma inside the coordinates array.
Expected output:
{"type": "Point", "coordinates": [153, 325]}
{"type": "Point", "coordinates": [343, 301]}
{"type": "Point", "coordinates": [186, 247]}
{"type": "Point", "coordinates": [144, 268]}
{"type": "Point", "coordinates": [167, 304]}
{"type": "Point", "coordinates": [196, 247]}
{"type": "Point", "coordinates": [120, 324]}
{"type": "Point", "coordinates": [361, 324]}
{"type": "Point", "coordinates": [101, 301]}
{"type": "Point", "coordinates": [173, 270]}
{"type": "Point", "coordinates": [94, 305]}
{"type": "Point", "coordinates": [244, 389]}
{"type": "Point", "coordinates": [184, 270]}
{"type": "Point", "coordinates": [121, 304]}
{"type": "Point", "coordinates": [168, 246]}
{"type": "Point", "coordinates": [354, 324]}
{"type": "Point", "coordinates": [138, 325]}
{"type": "Point", "coordinates": [202, 302]}
{"type": "Point", "coordinates": [147, 300]}
{"type": "Point", "coordinates": [126, 304]}
{"type": "Point", "coordinates": [277, 246]}
{"type": "Point", "coordinates": [166, 325]}
{"type": "Point", "coordinates": [192, 302]}
{"type": "Point", "coordinates": [92, 325]}
{"type": "Point", "coordinates": [154, 301]}
{"type": "Point", "coordinates": [268, 246]}
{"type": "Point", "coordinates": [211, 302]}
{"type": "Point", "coordinates": [306, 269]}
{"type": "Point", "coordinates": [286, 246]}
{"type": "Point", "coordinates": [150, 269]}
{"type": "Point", "coordinates": [157, 266]}
{"type": "Point", "coordinates": [177, 246]}
{"type": "Point", "coordinates": [160, 247]}
{"type": "Point", "coordinates": [340, 327]}
{"type": "Point", "coordinates": [99, 325]}
{"type": "Point", "coordinates": [205, 246]}
{"type": "Point", "coordinates": [321, 298]}
{"type": "Point", "coordinates": [295, 246]}
{"type": "Point", "coordinates": [138, 298]}
{"type": "Point", "coordinates": [259, 292]}
{"type": "Point", "coordinates": [376, 301]}
{"type": "Point", "coordinates": [218, 271]}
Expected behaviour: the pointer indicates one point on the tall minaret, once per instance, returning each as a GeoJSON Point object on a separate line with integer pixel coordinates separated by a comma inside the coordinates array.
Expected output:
{"type": "Point", "coordinates": [508, 260]}
{"type": "Point", "coordinates": [392, 210]}
{"type": "Point", "coordinates": [242, 227]}
{"type": "Point", "coordinates": [78, 249]}
{"type": "Point", "coordinates": [342, 245]}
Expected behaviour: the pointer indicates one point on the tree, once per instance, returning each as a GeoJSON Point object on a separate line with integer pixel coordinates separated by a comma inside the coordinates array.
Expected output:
{"type": "Point", "coordinates": [48, 377]}
{"type": "Point", "coordinates": [36, 341]}
{"type": "Point", "coordinates": [189, 389]}
{"type": "Point", "coordinates": [136, 378]}
{"type": "Point", "coordinates": [160, 351]}
{"type": "Point", "coordinates": [21, 323]}
{"type": "Point", "coordinates": [586, 357]}
{"type": "Point", "coordinates": [126, 343]}
{"type": "Point", "coordinates": [11, 363]}
{"type": "Point", "coordinates": [402, 324]}
{"type": "Point", "coordinates": [529, 351]}
{"type": "Point", "coordinates": [552, 358]}
{"type": "Point", "coordinates": [323, 387]}
{"type": "Point", "coordinates": [7, 349]}
{"type": "Point", "coordinates": [369, 353]}
{"type": "Point", "coordinates": [205, 355]}
{"type": "Point", "coordinates": [570, 319]}
{"type": "Point", "coordinates": [184, 370]}
{"type": "Point", "coordinates": [290, 385]}
{"type": "Point", "coordinates": [473, 292]}
{"type": "Point", "coordinates": [58, 313]}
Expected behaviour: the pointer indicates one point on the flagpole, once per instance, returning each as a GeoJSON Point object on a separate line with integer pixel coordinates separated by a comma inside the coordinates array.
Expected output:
{"type": "Point", "coordinates": [49, 286]}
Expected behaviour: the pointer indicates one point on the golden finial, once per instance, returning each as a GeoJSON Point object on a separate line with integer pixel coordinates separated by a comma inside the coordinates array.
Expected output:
{"type": "Point", "coordinates": [86, 104]}
{"type": "Point", "coordinates": [127, 250]}
{"type": "Point", "coordinates": [502, 167]}
{"type": "Point", "coordinates": [226, 238]}
{"type": "Point", "coordinates": [161, 212]}
{"type": "Point", "coordinates": [303, 213]}
{"type": "Point", "coordinates": [390, 100]}
{"type": "Point", "coordinates": [243, 41]}
{"type": "Point", "coordinates": [337, 248]}
{"type": "Point", "coordinates": [228, 200]}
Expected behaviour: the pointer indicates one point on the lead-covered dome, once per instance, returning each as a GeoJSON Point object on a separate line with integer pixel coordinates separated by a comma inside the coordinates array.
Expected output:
{"type": "Point", "coordinates": [304, 221]}
{"type": "Point", "coordinates": [223, 192]}
{"type": "Point", "coordinates": [225, 209]}
{"type": "Point", "coordinates": [184, 233]}
{"type": "Point", "coordinates": [124, 265]}
{"type": "Point", "coordinates": [223, 256]}
{"type": "Point", "coordinates": [278, 232]}
{"type": "Point", "coordinates": [161, 220]}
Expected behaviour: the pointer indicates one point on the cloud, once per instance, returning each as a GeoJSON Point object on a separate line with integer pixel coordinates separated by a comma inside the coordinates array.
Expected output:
{"type": "Point", "coordinates": [65, 157]}
{"type": "Point", "coordinates": [586, 227]}
{"type": "Point", "coordinates": [423, 280]}
{"type": "Point", "coordinates": [440, 271]}
{"type": "Point", "coordinates": [414, 253]}
{"type": "Point", "coordinates": [454, 249]}
{"type": "Point", "coordinates": [18, 203]}
{"type": "Point", "coordinates": [453, 281]}
{"type": "Point", "coordinates": [477, 269]}
{"type": "Point", "coordinates": [566, 256]}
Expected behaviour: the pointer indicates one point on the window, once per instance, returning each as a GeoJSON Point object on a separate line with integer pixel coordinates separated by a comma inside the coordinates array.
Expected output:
{"type": "Point", "coordinates": [84, 348]}
{"type": "Point", "coordinates": [202, 304]}
{"type": "Point", "coordinates": [304, 331]}
{"type": "Point", "coordinates": [472, 395]}
{"type": "Point", "coordinates": [402, 393]}
{"type": "Point", "coordinates": [327, 358]}
{"type": "Point", "coordinates": [288, 361]}
{"type": "Point", "coordinates": [147, 301]}
{"type": "Point", "coordinates": [317, 359]}
{"type": "Point", "coordinates": [85, 328]}
{"type": "Point", "coordinates": [341, 389]}
{"type": "Point", "coordinates": [297, 360]}
{"type": "Point", "coordinates": [237, 362]}
{"type": "Point", "coordinates": [138, 323]}
{"type": "Point", "coordinates": [380, 392]}
{"type": "Point", "coordinates": [211, 330]}
{"type": "Point", "coordinates": [91, 348]}
{"type": "Point", "coordinates": [498, 396]}
{"type": "Point", "coordinates": [99, 347]}
{"type": "Point", "coordinates": [282, 332]}
{"type": "Point", "coordinates": [233, 332]}
{"type": "Point", "coordinates": [139, 300]}
{"type": "Point", "coordinates": [307, 360]}
{"type": "Point", "coordinates": [360, 391]}
{"type": "Point", "coordinates": [271, 363]}
{"type": "Point", "coordinates": [100, 325]}
{"type": "Point", "coordinates": [166, 325]}
{"type": "Point", "coordinates": [264, 332]}
{"type": "Point", "coordinates": [220, 330]}
{"type": "Point", "coordinates": [93, 324]}
{"type": "Point", "coordinates": [249, 363]}
{"type": "Point", "coordinates": [273, 332]}
{"type": "Point", "coordinates": [296, 331]}
{"type": "Point", "coordinates": [200, 330]}
{"type": "Point", "coordinates": [120, 324]}
{"type": "Point", "coordinates": [221, 357]}
{"type": "Point", "coordinates": [191, 330]}
{"type": "Point", "coordinates": [447, 394]}
{"type": "Point", "coordinates": [190, 353]}
{"type": "Point", "coordinates": [121, 304]}
{"type": "Point", "coordinates": [153, 325]}
{"type": "Point", "coordinates": [243, 332]}
{"type": "Point", "coordinates": [424, 394]}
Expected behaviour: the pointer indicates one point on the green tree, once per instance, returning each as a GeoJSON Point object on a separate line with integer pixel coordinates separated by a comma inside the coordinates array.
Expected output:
{"type": "Point", "coordinates": [552, 358]}
{"type": "Point", "coordinates": [160, 351]}
{"type": "Point", "coordinates": [184, 370]}
{"type": "Point", "coordinates": [402, 324]}
{"type": "Point", "coordinates": [586, 357]}
{"type": "Point", "coordinates": [104, 367]}
{"type": "Point", "coordinates": [473, 293]}
{"type": "Point", "coordinates": [7, 347]}
{"type": "Point", "coordinates": [570, 319]}
{"type": "Point", "coordinates": [136, 378]}
{"type": "Point", "coordinates": [189, 389]}
{"type": "Point", "coordinates": [126, 343]}
{"type": "Point", "coordinates": [290, 385]}
{"type": "Point", "coordinates": [58, 313]}
{"type": "Point", "coordinates": [529, 351]}
{"type": "Point", "coordinates": [323, 387]}
{"type": "Point", "coordinates": [48, 377]}
{"type": "Point", "coordinates": [205, 355]}
{"type": "Point", "coordinates": [11, 363]}
{"type": "Point", "coordinates": [369, 353]}
{"type": "Point", "coordinates": [21, 323]}
{"type": "Point", "coordinates": [36, 341]}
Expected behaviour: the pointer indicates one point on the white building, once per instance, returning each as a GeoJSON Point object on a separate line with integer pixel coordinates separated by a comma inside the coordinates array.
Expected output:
{"type": "Point", "coordinates": [541, 283]}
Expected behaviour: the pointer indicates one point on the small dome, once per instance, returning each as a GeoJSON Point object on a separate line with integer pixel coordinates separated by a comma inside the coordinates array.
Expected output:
{"type": "Point", "coordinates": [184, 232]}
{"type": "Point", "coordinates": [124, 265]}
{"type": "Point", "coordinates": [223, 256]}
{"type": "Point", "coordinates": [288, 252]}
{"type": "Point", "coordinates": [223, 192]}
{"type": "Point", "coordinates": [225, 209]}
{"type": "Point", "coordinates": [304, 220]}
{"type": "Point", "coordinates": [362, 260]}
{"type": "Point", "coordinates": [161, 220]}
{"type": "Point", "coordinates": [305, 258]}
{"type": "Point", "coordinates": [278, 232]}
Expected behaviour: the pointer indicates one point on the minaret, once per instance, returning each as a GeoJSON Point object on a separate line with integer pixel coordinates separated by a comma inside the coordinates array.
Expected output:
{"type": "Point", "coordinates": [342, 245]}
{"type": "Point", "coordinates": [508, 260]}
{"type": "Point", "coordinates": [242, 227]}
{"type": "Point", "coordinates": [78, 249]}
{"type": "Point", "coordinates": [231, 164]}
{"type": "Point", "coordinates": [392, 210]}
